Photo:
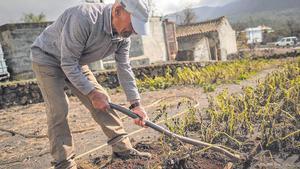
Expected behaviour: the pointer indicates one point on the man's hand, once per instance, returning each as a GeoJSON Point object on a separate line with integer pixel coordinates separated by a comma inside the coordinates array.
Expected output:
{"type": "Point", "coordinates": [142, 113]}
{"type": "Point", "coordinates": [99, 100]}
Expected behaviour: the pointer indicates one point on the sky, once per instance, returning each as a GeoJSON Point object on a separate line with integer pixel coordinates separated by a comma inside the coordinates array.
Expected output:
{"type": "Point", "coordinates": [11, 11]}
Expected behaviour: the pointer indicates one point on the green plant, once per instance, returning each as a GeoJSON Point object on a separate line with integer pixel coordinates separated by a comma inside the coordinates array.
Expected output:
{"type": "Point", "coordinates": [209, 88]}
{"type": "Point", "coordinates": [272, 110]}
{"type": "Point", "coordinates": [207, 77]}
{"type": "Point", "coordinates": [183, 124]}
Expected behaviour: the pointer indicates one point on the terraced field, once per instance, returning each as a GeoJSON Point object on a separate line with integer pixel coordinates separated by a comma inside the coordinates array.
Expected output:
{"type": "Point", "coordinates": [248, 107]}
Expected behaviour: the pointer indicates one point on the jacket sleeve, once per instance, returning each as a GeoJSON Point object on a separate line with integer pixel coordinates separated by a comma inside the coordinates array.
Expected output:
{"type": "Point", "coordinates": [74, 35]}
{"type": "Point", "coordinates": [124, 71]}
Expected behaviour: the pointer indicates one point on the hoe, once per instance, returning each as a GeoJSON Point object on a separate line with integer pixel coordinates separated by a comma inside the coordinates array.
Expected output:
{"type": "Point", "coordinates": [233, 156]}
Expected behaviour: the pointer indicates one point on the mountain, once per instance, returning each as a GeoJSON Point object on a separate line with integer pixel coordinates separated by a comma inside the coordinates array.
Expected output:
{"type": "Point", "coordinates": [256, 11]}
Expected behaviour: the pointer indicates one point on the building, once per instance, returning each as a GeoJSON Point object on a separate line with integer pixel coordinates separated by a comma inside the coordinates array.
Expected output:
{"type": "Point", "coordinates": [256, 35]}
{"type": "Point", "coordinates": [144, 50]}
{"type": "Point", "coordinates": [17, 38]}
{"type": "Point", "coordinates": [3, 68]}
{"type": "Point", "coordinates": [205, 41]}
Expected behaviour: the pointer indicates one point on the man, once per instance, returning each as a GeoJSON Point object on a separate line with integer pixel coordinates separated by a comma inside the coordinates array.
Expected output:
{"type": "Point", "coordinates": [81, 35]}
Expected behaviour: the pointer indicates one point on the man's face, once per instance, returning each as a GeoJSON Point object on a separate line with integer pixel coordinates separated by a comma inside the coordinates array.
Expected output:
{"type": "Point", "coordinates": [122, 22]}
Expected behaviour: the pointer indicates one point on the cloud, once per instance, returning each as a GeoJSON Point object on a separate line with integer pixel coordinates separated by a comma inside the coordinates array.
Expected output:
{"type": "Point", "coordinates": [166, 6]}
{"type": "Point", "coordinates": [169, 6]}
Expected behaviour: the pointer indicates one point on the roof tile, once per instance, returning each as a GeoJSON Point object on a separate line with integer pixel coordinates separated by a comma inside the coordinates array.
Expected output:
{"type": "Point", "coordinates": [198, 28]}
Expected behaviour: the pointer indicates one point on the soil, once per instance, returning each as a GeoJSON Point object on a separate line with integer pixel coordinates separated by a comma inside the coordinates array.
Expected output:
{"type": "Point", "coordinates": [156, 161]}
{"type": "Point", "coordinates": [29, 121]}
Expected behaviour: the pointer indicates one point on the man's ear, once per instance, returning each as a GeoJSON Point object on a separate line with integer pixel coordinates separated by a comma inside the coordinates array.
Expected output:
{"type": "Point", "coordinates": [118, 10]}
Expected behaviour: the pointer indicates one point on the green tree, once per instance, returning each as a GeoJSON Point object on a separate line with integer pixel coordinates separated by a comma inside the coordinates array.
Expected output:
{"type": "Point", "coordinates": [32, 18]}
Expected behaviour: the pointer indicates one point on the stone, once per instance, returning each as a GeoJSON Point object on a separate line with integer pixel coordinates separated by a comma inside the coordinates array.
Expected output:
{"type": "Point", "coordinates": [34, 87]}
{"type": "Point", "coordinates": [13, 86]}
{"type": "Point", "coordinates": [11, 97]}
{"type": "Point", "coordinates": [69, 92]}
{"type": "Point", "coordinates": [23, 100]}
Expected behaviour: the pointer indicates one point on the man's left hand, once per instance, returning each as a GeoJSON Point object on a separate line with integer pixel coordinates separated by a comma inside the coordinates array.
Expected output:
{"type": "Point", "coordinates": [142, 113]}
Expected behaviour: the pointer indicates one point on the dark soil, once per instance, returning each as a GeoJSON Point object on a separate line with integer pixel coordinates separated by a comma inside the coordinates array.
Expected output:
{"type": "Point", "coordinates": [159, 159]}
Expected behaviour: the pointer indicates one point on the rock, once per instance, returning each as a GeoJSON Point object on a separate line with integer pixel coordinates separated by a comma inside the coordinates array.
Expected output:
{"type": "Point", "coordinates": [11, 97]}
{"type": "Point", "coordinates": [34, 87]}
{"type": "Point", "coordinates": [13, 86]}
{"type": "Point", "coordinates": [69, 92]}
{"type": "Point", "coordinates": [7, 90]}
{"type": "Point", "coordinates": [23, 100]}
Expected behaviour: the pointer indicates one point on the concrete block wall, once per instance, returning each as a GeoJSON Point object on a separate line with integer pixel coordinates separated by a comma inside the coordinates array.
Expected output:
{"type": "Point", "coordinates": [16, 40]}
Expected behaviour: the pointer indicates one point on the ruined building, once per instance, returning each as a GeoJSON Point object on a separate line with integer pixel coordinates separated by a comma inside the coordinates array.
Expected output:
{"type": "Point", "coordinates": [205, 41]}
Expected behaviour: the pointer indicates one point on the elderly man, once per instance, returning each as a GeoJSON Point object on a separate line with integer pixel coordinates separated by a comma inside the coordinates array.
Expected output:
{"type": "Point", "coordinates": [81, 35]}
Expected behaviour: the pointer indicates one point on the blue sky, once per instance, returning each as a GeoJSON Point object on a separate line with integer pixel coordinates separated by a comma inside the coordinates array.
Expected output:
{"type": "Point", "coordinates": [13, 10]}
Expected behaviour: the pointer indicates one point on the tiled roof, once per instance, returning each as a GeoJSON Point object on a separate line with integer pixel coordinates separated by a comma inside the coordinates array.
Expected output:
{"type": "Point", "coordinates": [198, 28]}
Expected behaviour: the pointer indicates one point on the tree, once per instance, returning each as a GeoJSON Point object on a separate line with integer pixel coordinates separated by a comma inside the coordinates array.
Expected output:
{"type": "Point", "coordinates": [291, 26]}
{"type": "Point", "coordinates": [239, 26]}
{"type": "Point", "coordinates": [31, 18]}
{"type": "Point", "coordinates": [188, 16]}
{"type": "Point", "coordinates": [241, 40]}
{"type": "Point", "coordinates": [154, 9]}
{"type": "Point", "coordinates": [252, 22]}
{"type": "Point", "coordinates": [93, 1]}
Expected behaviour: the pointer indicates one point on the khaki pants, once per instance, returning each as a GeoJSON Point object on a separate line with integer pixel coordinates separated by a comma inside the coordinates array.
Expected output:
{"type": "Point", "coordinates": [52, 81]}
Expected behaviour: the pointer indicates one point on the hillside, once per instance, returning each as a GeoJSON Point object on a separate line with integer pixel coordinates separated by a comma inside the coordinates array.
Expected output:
{"type": "Point", "coordinates": [251, 12]}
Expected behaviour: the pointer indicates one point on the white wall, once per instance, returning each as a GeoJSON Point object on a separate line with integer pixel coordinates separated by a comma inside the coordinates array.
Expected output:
{"type": "Point", "coordinates": [254, 36]}
{"type": "Point", "coordinates": [227, 40]}
{"type": "Point", "coordinates": [154, 45]}
{"type": "Point", "coordinates": [202, 51]}
{"type": "Point", "coordinates": [3, 67]}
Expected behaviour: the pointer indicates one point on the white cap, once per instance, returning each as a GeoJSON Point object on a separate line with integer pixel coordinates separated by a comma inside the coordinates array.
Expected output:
{"type": "Point", "coordinates": [140, 11]}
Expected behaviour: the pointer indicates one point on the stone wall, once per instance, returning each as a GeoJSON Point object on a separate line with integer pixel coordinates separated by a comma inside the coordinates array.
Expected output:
{"type": "Point", "coordinates": [19, 93]}
{"type": "Point", "coordinates": [27, 92]}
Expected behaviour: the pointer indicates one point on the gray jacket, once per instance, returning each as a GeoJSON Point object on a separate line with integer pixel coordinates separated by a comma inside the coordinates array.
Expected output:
{"type": "Point", "coordinates": [81, 35]}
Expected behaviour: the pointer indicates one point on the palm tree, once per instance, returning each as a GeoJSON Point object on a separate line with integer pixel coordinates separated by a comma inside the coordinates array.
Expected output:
{"type": "Point", "coordinates": [31, 18]}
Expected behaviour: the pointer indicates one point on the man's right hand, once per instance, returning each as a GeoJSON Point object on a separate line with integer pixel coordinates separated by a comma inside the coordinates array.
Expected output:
{"type": "Point", "coordinates": [99, 100]}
